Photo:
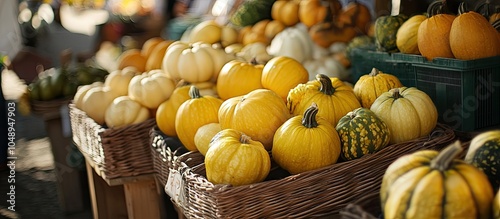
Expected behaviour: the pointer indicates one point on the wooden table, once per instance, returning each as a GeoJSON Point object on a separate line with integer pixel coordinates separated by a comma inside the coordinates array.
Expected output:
{"type": "Point", "coordinates": [125, 197]}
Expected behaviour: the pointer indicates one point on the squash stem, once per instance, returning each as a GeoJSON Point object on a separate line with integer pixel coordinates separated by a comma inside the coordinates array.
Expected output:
{"type": "Point", "coordinates": [374, 72]}
{"type": "Point", "coordinates": [396, 93]}
{"type": "Point", "coordinates": [444, 159]}
{"type": "Point", "coordinates": [309, 118]}
{"type": "Point", "coordinates": [194, 92]}
{"type": "Point", "coordinates": [326, 84]}
{"type": "Point", "coordinates": [244, 139]}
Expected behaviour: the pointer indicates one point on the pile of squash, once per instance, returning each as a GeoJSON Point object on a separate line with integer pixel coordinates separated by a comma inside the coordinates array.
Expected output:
{"type": "Point", "coordinates": [466, 34]}
{"type": "Point", "coordinates": [442, 185]}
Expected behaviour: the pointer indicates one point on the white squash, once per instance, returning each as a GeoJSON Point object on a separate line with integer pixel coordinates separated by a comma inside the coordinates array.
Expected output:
{"type": "Point", "coordinates": [151, 89]}
{"type": "Point", "coordinates": [189, 62]}
{"type": "Point", "coordinates": [118, 80]}
{"type": "Point", "coordinates": [125, 111]}
{"type": "Point", "coordinates": [218, 55]}
{"type": "Point", "coordinates": [328, 66]}
{"type": "Point", "coordinates": [96, 102]}
{"type": "Point", "coordinates": [294, 42]}
{"type": "Point", "coordinates": [82, 90]}
{"type": "Point", "coordinates": [257, 51]}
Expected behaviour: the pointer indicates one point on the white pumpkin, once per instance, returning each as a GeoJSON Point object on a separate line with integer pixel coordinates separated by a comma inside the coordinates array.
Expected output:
{"type": "Point", "coordinates": [189, 62]}
{"type": "Point", "coordinates": [328, 66]}
{"type": "Point", "coordinates": [124, 111]}
{"type": "Point", "coordinates": [257, 51]}
{"type": "Point", "coordinates": [294, 42]}
{"type": "Point", "coordinates": [151, 89]}
{"type": "Point", "coordinates": [118, 80]}
{"type": "Point", "coordinates": [218, 55]}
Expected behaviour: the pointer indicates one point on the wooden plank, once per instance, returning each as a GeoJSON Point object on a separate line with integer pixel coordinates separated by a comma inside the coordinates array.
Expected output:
{"type": "Point", "coordinates": [107, 201]}
{"type": "Point", "coordinates": [142, 199]}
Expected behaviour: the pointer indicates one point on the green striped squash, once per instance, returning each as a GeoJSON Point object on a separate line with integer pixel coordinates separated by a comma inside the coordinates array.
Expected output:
{"type": "Point", "coordinates": [484, 153]}
{"type": "Point", "coordinates": [251, 12]}
{"type": "Point", "coordinates": [361, 132]}
{"type": "Point", "coordinates": [386, 29]}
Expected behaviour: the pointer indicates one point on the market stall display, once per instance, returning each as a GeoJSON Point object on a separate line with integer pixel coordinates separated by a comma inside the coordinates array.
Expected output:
{"type": "Point", "coordinates": [321, 107]}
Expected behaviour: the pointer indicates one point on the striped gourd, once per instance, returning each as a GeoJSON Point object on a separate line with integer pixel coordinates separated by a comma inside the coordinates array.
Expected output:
{"type": "Point", "coordinates": [432, 184]}
{"type": "Point", "coordinates": [361, 132]}
{"type": "Point", "coordinates": [484, 153]}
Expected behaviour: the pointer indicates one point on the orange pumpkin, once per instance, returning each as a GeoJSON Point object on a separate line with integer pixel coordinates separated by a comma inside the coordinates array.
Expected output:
{"type": "Point", "coordinates": [433, 38]}
{"type": "Point", "coordinates": [286, 11]}
{"type": "Point", "coordinates": [312, 12]}
{"type": "Point", "coordinates": [473, 37]}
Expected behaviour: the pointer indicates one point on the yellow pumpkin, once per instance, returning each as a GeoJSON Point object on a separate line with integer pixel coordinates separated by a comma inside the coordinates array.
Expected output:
{"type": "Point", "coordinates": [239, 78]}
{"type": "Point", "coordinates": [236, 159]}
{"type": "Point", "coordinates": [194, 113]}
{"type": "Point", "coordinates": [407, 35]}
{"type": "Point", "coordinates": [229, 36]}
{"type": "Point", "coordinates": [408, 112]}
{"type": "Point", "coordinates": [306, 142]}
{"type": "Point", "coordinates": [280, 74]}
{"type": "Point", "coordinates": [370, 86]}
{"type": "Point", "coordinates": [151, 89]}
{"type": "Point", "coordinates": [166, 112]}
{"type": "Point", "coordinates": [124, 111]}
{"type": "Point", "coordinates": [432, 184]}
{"type": "Point", "coordinates": [96, 101]}
{"type": "Point", "coordinates": [208, 31]}
{"type": "Point", "coordinates": [286, 11]}
{"type": "Point", "coordinates": [204, 135]}
{"type": "Point", "coordinates": [473, 37]}
{"type": "Point", "coordinates": [118, 80]}
{"type": "Point", "coordinates": [434, 36]}
{"type": "Point", "coordinates": [258, 114]}
{"type": "Point", "coordinates": [333, 97]}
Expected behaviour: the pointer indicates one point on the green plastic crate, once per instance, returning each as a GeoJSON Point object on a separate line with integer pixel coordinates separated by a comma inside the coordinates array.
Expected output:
{"type": "Point", "coordinates": [466, 93]}
{"type": "Point", "coordinates": [399, 65]}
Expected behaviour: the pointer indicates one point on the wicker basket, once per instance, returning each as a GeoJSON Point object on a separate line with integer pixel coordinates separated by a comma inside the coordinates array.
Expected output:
{"type": "Point", "coordinates": [120, 152]}
{"type": "Point", "coordinates": [312, 194]}
{"type": "Point", "coordinates": [51, 108]}
{"type": "Point", "coordinates": [164, 150]}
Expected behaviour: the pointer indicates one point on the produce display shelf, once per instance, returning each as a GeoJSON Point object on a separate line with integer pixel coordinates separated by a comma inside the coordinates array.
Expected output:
{"type": "Point", "coordinates": [466, 93]}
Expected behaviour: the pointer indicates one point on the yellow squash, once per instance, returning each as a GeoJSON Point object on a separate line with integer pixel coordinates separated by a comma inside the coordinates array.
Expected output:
{"type": "Point", "coordinates": [432, 184]}
{"type": "Point", "coordinates": [333, 97]}
{"type": "Point", "coordinates": [370, 86]}
{"type": "Point", "coordinates": [306, 142]}
{"type": "Point", "coordinates": [234, 158]}
{"type": "Point", "coordinates": [258, 114]}
{"type": "Point", "coordinates": [408, 112]}
{"type": "Point", "coordinates": [194, 113]}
